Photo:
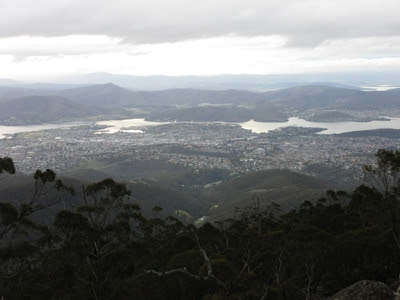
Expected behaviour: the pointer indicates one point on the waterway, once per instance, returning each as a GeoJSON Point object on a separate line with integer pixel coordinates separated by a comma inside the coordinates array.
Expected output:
{"type": "Point", "coordinates": [329, 128]}
{"type": "Point", "coordinates": [134, 125]}
{"type": "Point", "coordinates": [9, 130]}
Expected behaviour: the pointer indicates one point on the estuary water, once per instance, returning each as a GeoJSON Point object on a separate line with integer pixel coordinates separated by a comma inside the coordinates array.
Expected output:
{"type": "Point", "coordinates": [329, 128]}
{"type": "Point", "coordinates": [260, 127]}
{"type": "Point", "coordinates": [127, 125]}
{"type": "Point", "coordinates": [134, 125]}
{"type": "Point", "coordinates": [9, 130]}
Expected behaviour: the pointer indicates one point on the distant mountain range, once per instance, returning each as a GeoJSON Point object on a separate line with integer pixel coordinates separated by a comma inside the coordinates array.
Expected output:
{"type": "Point", "coordinates": [260, 83]}
{"type": "Point", "coordinates": [28, 106]}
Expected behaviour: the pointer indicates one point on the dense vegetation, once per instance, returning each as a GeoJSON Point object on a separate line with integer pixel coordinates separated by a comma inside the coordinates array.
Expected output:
{"type": "Point", "coordinates": [106, 248]}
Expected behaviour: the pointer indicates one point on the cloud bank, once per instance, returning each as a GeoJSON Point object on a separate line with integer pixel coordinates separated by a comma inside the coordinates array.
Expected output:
{"type": "Point", "coordinates": [46, 38]}
{"type": "Point", "coordinates": [304, 23]}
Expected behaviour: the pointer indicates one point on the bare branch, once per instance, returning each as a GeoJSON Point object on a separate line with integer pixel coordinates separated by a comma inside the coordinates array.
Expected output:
{"type": "Point", "coordinates": [210, 274]}
{"type": "Point", "coordinates": [174, 271]}
{"type": "Point", "coordinates": [264, 297]}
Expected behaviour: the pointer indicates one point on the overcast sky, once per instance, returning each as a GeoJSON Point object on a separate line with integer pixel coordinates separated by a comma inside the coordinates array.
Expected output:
{"type": "Point", "coordinates": [45, 38]}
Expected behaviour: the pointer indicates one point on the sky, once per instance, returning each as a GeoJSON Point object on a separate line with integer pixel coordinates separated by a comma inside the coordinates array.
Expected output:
{"type": "Point", "coordinates": [45, 39]}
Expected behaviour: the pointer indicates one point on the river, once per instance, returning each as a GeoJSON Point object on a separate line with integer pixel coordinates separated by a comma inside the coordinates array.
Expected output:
{"type": "Point", "coordinates": [7, 130]}
{"type": "Point", "coordinates": [257, 127]}
{"type": "Point", "coordinates": [330, 128]}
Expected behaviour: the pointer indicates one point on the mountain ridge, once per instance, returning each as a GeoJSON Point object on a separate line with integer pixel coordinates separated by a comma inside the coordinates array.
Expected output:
{"type": "Point", "coordinates": [217, 105]}
{"type": "Point", "coordinates": [43, 109]}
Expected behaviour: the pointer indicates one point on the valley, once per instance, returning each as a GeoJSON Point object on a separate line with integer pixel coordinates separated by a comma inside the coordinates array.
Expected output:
{"type": "Point", "coordinates": [191, 144]}
{"type": "Point", "coordinates": [189, 161]}
{"type": "Point", "coordinates": [212, 150]}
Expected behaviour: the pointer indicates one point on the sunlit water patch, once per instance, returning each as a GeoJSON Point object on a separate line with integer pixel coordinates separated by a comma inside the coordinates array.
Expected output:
{"type": "Point", "coordinates": [127, 126]}
{"type": "Point", "coordinates": [380, 88]}
{"type": "Point", "coordinates": [330, 128]}
{"type": "Point", "coordinates": [9, 130]}
{"type": "Point", "coordinates": [135, 126]}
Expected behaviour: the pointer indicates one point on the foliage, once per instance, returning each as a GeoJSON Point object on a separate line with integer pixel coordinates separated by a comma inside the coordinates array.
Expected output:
{"type": "Point", "coordinates": [7, 165]}
{"type": "Point", "coordinates": [106, 248]}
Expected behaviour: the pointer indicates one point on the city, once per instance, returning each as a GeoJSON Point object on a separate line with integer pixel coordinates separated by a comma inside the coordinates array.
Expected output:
{"type": "Point", "coordinates": [199, 146]}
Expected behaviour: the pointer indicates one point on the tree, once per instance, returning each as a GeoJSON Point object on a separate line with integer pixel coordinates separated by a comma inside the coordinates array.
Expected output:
{"type": "Point", "coordinates": [385, 178]}
{"type": "Point", "coordinates": [19, 232]}
{"type": "Point", "coordinates": [385, 174]}
{"type": "Point", "coordinates": [7, 165]}
{"type": "Point", "coordinates": [14, 217]}
{"type": "Point", "coordinates": [98, 232]}
{"type": "Point", "coordinates": [102, 202]}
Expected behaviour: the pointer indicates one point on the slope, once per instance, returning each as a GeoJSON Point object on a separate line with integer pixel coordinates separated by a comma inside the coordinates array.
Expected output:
{"type": "Point", "coordinates": [41, 109]}
{"type": "Point", "coordinates": [284, 187]}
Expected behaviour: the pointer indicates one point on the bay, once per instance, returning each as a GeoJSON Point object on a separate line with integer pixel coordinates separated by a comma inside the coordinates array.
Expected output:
{"type": "Point", "coordinates": [129, 125]}
{"type": "Point", "coordinates": [9, 130]}
{"type": "Point", "coordinates": [330, 128]}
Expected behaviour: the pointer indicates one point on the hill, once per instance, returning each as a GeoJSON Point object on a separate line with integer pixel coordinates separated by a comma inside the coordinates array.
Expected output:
{"type": "Point", "coordinates": [374, 100]}
{"type": "Point", "coordinates": [330, 116]}
{"type": "Point", "coordinates": [387, 133]}
{"type": "Point", "coordinates": [284, 187]}
{"type": "Point", "coordinates": [42, 109]}
{"type": "Point", "coordinates": [190, 97]}
{"type": "Point", "coordinates": [313, 102]}
{"type": "Point", "coordinates": [205, 192]}
{"type": "Point", "coordinates": [18, 189]}
{"type": "Point", "coordinates": [323, 97]}
{"type": "Point", "coordinates": [220, 113]}
{"type": "Point", "coordinates": [237, 105]}
{"type": "Point", "coordinates": [112, 95]}
{"type": "Point", "coordinates": [194, 194]}
{"type": "Point", "coordinates": [7, 92]}
{"type": "Point", "coordinates": [106, 95]}
{"type": "Point", "coordinates": [311, 96]}
{"type": "Point", "coordinates": [153, 183]}
{"type": "Point", "coordinates": [146, 193]}
{"type": "Point", "coordinates": [193, 105]}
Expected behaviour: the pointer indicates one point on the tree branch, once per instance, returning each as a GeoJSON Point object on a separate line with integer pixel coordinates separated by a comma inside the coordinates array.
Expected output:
{"type": "Point", "coordinates": [210, 274]}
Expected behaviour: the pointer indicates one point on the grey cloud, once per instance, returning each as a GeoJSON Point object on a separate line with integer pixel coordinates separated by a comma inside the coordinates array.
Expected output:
{"type": "Point", "coordinates": [306, 23]}
{"type": "Point", "coordinates": [20, 55]}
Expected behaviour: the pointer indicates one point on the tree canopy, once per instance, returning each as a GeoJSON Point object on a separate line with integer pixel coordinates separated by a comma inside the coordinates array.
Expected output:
{"type": "Point", "coordinates": [106, 249]}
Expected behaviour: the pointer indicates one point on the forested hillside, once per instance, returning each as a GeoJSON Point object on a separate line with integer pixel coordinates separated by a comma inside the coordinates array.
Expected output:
{"type": "Point", "coordinates": [105, 248]}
